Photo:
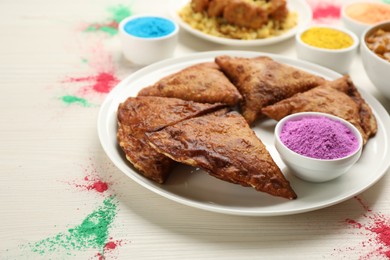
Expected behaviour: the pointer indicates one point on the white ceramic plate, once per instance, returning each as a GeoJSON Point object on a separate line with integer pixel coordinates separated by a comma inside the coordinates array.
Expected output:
{"type": "Point", "coordinates": [301, 7]}
{"type": "Point", "coordinates": [194, 188]}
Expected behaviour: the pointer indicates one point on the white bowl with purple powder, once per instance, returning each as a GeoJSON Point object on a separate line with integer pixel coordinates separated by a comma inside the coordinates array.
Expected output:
{"type": "Point", "coordinates": [317, 147]}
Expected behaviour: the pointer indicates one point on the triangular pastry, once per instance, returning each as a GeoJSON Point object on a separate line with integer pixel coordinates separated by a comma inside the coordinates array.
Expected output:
{"type": "Point", "coordinates": [204, 83]}
{"type": "Point", "coordinates": [367, 117]}
{"type": "Point", "coordinates": [226, 147]}
{"type": "Point", "coordinates": [339, 97]}
{"type": "Point", "coordinates": [263, 81]}
{"type": "Point", "coordinates": [140, 114]}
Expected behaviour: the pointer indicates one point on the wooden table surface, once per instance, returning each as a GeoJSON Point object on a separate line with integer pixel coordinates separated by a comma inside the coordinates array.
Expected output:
{"type": "Point", "coordinates": [62, 198]}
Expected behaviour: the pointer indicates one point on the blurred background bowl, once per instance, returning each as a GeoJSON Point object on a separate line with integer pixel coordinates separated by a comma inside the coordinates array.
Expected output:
{"type": "Point", "coordinates": [357, 16]}
{"type": "Point", "coordinates": [312, 169]}
{"type": "Point", "coordinates": [338, 60]}
{"type": "Point", "coordinates": [377, 68]}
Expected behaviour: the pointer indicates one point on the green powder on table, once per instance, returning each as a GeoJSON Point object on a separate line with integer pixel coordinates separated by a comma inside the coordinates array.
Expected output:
{"type": "Point", "coordinates": [110, 27]}
{"type": "Point", "coordinates": [69, 99]}
{"type": "Point", "coordinates": [93, 233]}
{"type": "Point", "coordinates": [119, 12]}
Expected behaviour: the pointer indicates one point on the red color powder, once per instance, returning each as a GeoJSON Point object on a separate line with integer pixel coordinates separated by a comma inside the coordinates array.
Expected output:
{"type": "Point", "coordinates": [353, 222]}
{"type": "Point", "coordinates": [103, 82]}
{"type": "Point", "coordinates": [364, 205]}
{"type": "Point", "coordinates": [99, 186]}
{"type": "Point", "coordinates": [108, 249]}
{"type": "Point", "coordinates": [326, 11]}
{"type": "Point", "coordinates": [383, 232]}
{"type": "Point", "coordinates": [99, 80]}
{"type": "Point", "coordinates": [96, 185]}
{"type": "Point", "coordinates": [92, 184]}
{"type": "Point", "coordinates": [377, 231]}
{"type": "Point", "coordinates": [110, 245]}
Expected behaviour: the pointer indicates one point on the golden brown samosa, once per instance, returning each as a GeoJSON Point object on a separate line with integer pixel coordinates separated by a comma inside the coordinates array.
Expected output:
{"type": "Point", "coordinates": [204, 83]}
{"type": "Point", "coordinates": [140, 114]}
{"type": "Point", "coordinates": [339, 97]}
{"type": "Point", "coordinates": [263, 81]}
{"type": "Point", "coordinates": [226, 147]}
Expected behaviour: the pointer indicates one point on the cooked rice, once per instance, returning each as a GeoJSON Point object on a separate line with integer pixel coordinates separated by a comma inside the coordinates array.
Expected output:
{"type": "Point", "coordinates": [217, 26]}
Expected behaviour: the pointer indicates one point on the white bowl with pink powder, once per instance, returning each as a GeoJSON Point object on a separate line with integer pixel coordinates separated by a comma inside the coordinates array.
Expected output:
{"type": "Point", "coordinates": [317, 147]}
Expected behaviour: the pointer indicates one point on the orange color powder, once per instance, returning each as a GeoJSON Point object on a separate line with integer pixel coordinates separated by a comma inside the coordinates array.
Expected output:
{"type": "Point", "coordinates": [368, 13]}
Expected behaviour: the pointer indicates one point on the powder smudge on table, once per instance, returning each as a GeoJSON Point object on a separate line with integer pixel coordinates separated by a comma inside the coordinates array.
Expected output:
{"type": "Point", "coordinates": [104, 78]}
{"type": "Point", "coordinates": [92, 233]}
{"type": "Point", "coordinates": [89, 90]}
{"type": "Point", "coordinates": [93, 178]}
{"type": "Point", "coordinates": [374, 227]}
{"type": "Point", "coordinates": [110, 26]}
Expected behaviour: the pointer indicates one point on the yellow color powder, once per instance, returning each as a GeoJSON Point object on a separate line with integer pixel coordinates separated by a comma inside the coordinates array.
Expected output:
{"type": "Point", "coordinates": [327, 38]}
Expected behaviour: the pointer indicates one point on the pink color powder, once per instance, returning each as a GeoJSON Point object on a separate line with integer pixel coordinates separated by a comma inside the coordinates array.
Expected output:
{"type": "Point", "coordinates": [109, 249]}
{"type": "Point", "coordinates": [102, 82]}
{"type": "Point", "coordinates": [110, 245]}
{"type": "Point", "coordinates": [376, 230]}
{"type": "Point", "coordinates": [99, 79]}
{"type": "Point", "coordinates": [99, 186]}
{"type": "Point", "coordinates": [325, 11]}
{"type": "Point", "coordinates": [94, 184]}
{"type": "Point", "coordinates": [93, 179]}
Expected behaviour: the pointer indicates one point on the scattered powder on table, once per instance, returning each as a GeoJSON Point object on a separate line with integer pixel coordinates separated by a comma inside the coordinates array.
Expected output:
{"type": "Point", "coordinates": [110, 246]}
{"type": "Point", "coordinates": [92, 233]}
{"type": "Point", "coordinates": [92, 184]}
{"type": "Point", "coordinates": [319, 137]}
{"type": "Point", "coordinates": [375, 227]}
{"type": "Point", "coordinates": [110, 27]}
{"type": "Point", "coordinates": [70, 99]}
{"type": "Point", "coordinates": [102, 82]}
{"type": "Point", "coordinates": [97, 185]}
{"type": "Point", "coordinates": [91, 89]}
{"type": "Point", "coordinates": [92, 181]}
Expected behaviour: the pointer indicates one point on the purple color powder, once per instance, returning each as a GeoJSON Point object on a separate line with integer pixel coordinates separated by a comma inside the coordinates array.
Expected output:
{"type": "Point", "coordinates": [319, 137]}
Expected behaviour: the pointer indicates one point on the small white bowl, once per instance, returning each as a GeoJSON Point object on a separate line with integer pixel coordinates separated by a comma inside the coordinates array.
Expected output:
{"type": "Point", "coordinates": [377, 69]}
{"type": "Point", "coordinates": [338, 60]}
{"type": "Point", "coordinates": [142, 44]}
{"type": "Point", "coordinates": [312, 169]}
{"type": "Point", "coordinates": [357, 26]}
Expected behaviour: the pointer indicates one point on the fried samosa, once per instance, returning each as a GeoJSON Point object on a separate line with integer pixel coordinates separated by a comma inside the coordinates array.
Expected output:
{"type": "Point", "coordinates": [263, 81]}
{"type": "Point", "coordinates": [339, 97]}
{"type": "Point", "coordinates": [204, 83]}
{"type": "Point", "coordinates": [367, 117]}
{"type": "Point", "coordinates": [140, 114]}
{"type": "Point", "coordinates": [226, 147]}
